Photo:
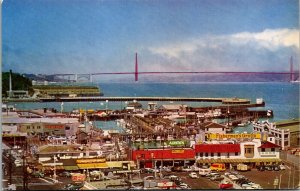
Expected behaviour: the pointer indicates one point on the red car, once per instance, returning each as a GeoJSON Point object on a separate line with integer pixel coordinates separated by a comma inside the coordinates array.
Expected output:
{"type": "Point", "coordinates": [225, 185]}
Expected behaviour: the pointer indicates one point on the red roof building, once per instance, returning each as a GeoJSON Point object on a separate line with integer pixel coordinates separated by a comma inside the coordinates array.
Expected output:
{"type": "Point", "coordinates": [267, 144]}
{"type": "Point", "coordinates": [171, 154]}
{"type": "Point", "coordinates": [217, 148]}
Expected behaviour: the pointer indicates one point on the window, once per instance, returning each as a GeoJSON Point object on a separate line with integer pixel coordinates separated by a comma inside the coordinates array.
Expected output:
{"type": "Point", "coordinates": [223, 129]}
{"type": "Point", "coordinates": [272, 149]}
{"type": "Point", "coordinates": [201, 154]}
{"type": "Point", "coordinates": [38, 127]}
{"type": "Point", "coordinates": [28, 127]}
{"type": "Point", "coordinates": [67, 128]}
{"type": "Point", "coordinates": [211, 154]}
{"type": "Point", "coordinates": [236, 154]}
{"type": "Point", "coordinates": [219, 154]}
{"type": "Point", "coordinates": [206, 154]}
{"type": "Point", "coordinates": [271, 139]}
{"type": "Point", "coordinates": [227, 155]}
{"type": "Point", "coordinates": [263, 149]}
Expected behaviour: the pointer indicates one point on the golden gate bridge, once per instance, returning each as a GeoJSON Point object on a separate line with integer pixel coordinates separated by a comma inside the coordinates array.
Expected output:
{"type": "Point", "coordinates": [136, 73]}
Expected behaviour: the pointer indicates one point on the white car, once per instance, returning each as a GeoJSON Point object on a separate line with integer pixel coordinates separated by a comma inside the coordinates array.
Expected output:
{"type": "Point", "coordinates": [232, 177]}
{"type": "Point", "coordinates": [187, 169]}
{"type": "Point", "coordinates": [184, 186]}
{"type": "Point", "coordinates": [193, 175]}
{"type": "Point", "coordinates": [282, 167]}
{"type": "Point", "coordinates": [18, 163]}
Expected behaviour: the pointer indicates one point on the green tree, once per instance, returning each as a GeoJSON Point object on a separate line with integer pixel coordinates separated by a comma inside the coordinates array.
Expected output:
{"type": "Point", "coordinates": [19, 82]}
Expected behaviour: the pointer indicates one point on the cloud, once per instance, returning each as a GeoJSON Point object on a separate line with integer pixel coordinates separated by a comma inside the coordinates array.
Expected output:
{"type": "Point", "coordinates": [270, 39]}
{"type": "Point", "coordinates": [268, 50]}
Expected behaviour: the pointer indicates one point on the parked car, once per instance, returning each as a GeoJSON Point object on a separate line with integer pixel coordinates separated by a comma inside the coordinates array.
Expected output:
{"type": "Point", "coordinates": [37, 174]}
{"type": "Point", "coordinates": [65, 174]}
{"type": "Point", "coordinates": [187, 169]}
{"type": "Point", "coordinates": [184, 186]}
{"type": "Point", "coordinates": [233, 177]}
{"type": "Point", "coordinates": [193, 175]}
{"type": "Point", "coordinates": [176, 169]}
{"type": "Point", "coordinates": [204, 171]}
{"type": "Point", "coordinates": [73, 186]}
{"type": "Point", "coordinates": [276, 168]}
{"type": "Point", "coordinates": [269, 168]}
{"type": "Point", "coordinates": [212, 174]}
{"type": "Point", "coordinates": [18, 163]}
{"type": "Point", "coordinates": [261, 168]}
{"type": "Point", "coordinates": [225, 185]}
{"type": "Point", "coordinates": [217, 178]}
{"type": "Point", "coordinates": [282, 167]}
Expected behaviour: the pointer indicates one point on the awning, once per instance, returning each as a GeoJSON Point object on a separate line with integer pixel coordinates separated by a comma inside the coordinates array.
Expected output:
{"type": "Point", "coordinates": [92, 165]}
{"type": "Point", "coordinates": [238, 160]}
{"type": "Point", "coordinates": [71, 167]}
{"type": "Point", "coordinates": [48, 168]}
{"type": "Point", "coordinates": [114, 164]}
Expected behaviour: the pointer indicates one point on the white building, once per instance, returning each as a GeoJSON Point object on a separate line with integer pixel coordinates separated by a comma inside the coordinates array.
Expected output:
{"type": "Point", "coordinates": [252, 152]}
{"type": "Point", "coordinates": [282, 136]}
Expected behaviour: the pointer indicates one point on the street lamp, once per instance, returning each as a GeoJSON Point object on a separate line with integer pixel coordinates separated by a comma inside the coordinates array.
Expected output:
{"type": "Point", "coordinates": [54, 174]}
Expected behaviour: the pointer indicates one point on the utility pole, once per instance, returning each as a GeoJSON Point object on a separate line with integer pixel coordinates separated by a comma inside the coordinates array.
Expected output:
{"type": "Point", "coordinates": [25, 175]}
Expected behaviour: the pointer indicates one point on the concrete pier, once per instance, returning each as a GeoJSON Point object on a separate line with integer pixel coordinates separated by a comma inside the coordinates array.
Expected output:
{"type": "Point", "coordinates": [191, 99]}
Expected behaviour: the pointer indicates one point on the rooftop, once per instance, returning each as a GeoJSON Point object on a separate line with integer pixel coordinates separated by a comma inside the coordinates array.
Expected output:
{"type": "Point", "coordinates": [268, 145]}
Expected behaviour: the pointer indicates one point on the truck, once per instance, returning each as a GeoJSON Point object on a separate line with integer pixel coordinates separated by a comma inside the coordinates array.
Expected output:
{"type": "Point", "coordinates": [242, 167]}
{"type": "Point", "coordinates": [218, 167]}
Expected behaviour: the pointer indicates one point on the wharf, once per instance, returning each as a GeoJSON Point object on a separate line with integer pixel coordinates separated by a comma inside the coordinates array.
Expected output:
{"type": "Point", "coordinates": [190, 99]}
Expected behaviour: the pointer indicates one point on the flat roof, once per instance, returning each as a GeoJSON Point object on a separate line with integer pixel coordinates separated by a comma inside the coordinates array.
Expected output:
{"type": "Point", "coordinates": [286, 122]}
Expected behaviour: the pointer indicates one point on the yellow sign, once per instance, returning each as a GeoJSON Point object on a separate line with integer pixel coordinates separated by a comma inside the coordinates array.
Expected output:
{"type": "Point", "coordinates": [233, 136]}
{"type": "Point", "coordinates": [82, 161]}
{"type": "Point", "coordinates": [177, 151]}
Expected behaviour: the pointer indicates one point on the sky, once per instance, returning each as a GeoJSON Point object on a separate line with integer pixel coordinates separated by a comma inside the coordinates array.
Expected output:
{"type": "Point", "coordinates": [89, 36]}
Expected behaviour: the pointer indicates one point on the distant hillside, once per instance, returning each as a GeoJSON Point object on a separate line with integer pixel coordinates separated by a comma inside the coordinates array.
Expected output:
{"type": "Point", "coordinates": [19, 82]}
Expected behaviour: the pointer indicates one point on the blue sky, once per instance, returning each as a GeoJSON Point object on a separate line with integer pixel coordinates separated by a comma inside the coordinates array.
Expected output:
{"type": "Point", "coordinates": [64, 36]}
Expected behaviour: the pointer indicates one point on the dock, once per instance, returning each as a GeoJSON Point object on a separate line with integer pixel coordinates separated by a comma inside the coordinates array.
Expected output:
{"type": "Point", "coordinates": [189, 99]}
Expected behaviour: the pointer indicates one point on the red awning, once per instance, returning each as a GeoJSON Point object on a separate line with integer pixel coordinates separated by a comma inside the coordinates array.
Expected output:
{"type": "Point", "coordinates": [217, 148]}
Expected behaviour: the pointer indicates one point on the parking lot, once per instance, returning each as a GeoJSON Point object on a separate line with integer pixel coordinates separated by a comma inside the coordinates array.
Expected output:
{"type": "Point", "coordinates": [287, 179]}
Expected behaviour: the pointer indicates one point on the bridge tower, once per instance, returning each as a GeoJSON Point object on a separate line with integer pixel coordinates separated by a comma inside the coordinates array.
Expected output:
{"type": "Point", "coordinates": [136, 74]}
{"type": "Point", "coordinates": [291, 69]}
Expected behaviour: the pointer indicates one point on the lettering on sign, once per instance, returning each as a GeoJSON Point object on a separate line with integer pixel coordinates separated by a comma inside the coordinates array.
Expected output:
{"type": "Point", "coordinates": [234, 136]}
{"type": "Point", "coordinates": [177, 151]}
{"type": "Point", "coordinates": [176, 143]}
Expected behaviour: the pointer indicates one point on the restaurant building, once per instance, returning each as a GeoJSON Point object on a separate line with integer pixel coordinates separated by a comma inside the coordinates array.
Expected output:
{"type": "Point", "coordinates": [168, 157]}
{"type": "Point", "coordinates": [251, 153]}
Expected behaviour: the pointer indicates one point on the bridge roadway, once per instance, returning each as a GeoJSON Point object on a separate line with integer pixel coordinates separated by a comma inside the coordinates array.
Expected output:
{"type": "Point", "coordinates": [191, 99]}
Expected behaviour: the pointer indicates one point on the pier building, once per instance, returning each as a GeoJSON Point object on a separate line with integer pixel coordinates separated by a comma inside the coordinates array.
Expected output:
{"type": "Point", "coordinates": [281, 135]}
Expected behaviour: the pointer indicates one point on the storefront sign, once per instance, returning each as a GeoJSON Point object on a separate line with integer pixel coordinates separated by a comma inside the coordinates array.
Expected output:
{"type": "Point", "coordinates": [234, 136]}
{"type": "Point", "coordinates": [177, 151]}
{"type": "Point", "coordinates": [176, 143]}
